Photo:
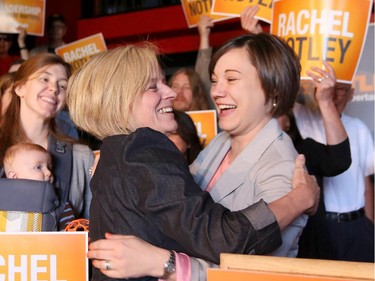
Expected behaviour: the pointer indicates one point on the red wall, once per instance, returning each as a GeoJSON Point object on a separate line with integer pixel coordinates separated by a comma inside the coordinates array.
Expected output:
{"type": "Point", "coordinates": [71, 10]}
{"type": "Point", "coordinates": [166, 26]}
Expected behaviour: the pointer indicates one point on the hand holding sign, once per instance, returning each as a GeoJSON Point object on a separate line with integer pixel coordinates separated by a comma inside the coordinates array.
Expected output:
{"type": "Point", "coordinates": [324, 81]}
{"type": "Point", "coordinates": [194, 9]}
{"type": "Point", "coordinates": [205, 24]}
{"type": "Point", "coordinates": [248, 20]}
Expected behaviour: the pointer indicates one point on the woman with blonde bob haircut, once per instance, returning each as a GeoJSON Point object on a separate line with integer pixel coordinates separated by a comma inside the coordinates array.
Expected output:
{"type": "Point", "coordinates": [142, 185]}
{"type": "Point", "coordinates": [109, 113]}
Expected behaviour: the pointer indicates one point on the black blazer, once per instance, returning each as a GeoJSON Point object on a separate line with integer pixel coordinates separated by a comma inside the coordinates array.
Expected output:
{"type": "Point", "coordinates": [142, 186]}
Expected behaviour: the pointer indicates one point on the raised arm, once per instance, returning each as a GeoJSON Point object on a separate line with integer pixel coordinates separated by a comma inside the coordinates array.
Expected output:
{"type": "Point", "coordinates": [21, 43]}
{"type": "Point", "coordinates": [334, 157]}
{"type": "Point", "coordinates": [325, 81]}
{"type": "Point", "coordinates": [204, 27]}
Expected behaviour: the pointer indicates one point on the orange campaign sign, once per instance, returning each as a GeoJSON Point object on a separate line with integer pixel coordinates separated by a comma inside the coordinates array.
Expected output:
{"type": "Point", "coordinates": [235, 7]}
{"type": "Point", "coordinates": [79, 52]}
{"type": "Point", "coordinates": [206, 124]}
{"type": "Point", "coordinates": [29, 14]}
{"type": "Point", "coordinates": [330, 30]}
{"type": "Point", "coordinates": [194, 9]}
{"type": "Point", "coordinates": [53, 256]}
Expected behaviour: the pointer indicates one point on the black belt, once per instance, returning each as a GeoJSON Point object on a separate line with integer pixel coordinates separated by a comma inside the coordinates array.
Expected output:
{"type": "Point", "coordinates": [350, 216]}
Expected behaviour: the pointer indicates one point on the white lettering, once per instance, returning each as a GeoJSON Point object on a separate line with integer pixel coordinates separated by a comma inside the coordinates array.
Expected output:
{"type": "Point", "coordinates": [53, 268]}
{"type": "Point", "coordinates": [345, 24]}
{"type": "Point", "coordinates": [316, 21]}
{"type": "Point", "coordinates": [79, 53]}
{"type": "Point", "coordinates": [20, 9]}
{"type": "Point", "coordinates": [291, 25]}
{"type": "Point", "coordinates": [281, 25]}
{"type": "Point", "coordinates": [333, 21]}
{"type": "Point", "coordinates": [13, 269]}
{"type": "Point", "coordinates": [35, 269]}
{"type": "Point", "coordinates": [300, 28]}
{"type": "Point", "coordinates": [2, 263]}
{"type": "Point", "coordinates": [325, 22]}
{"type": "Point", "coordinates": [198, 125]}
{"type": "Point", "coordinates": [27, 267]}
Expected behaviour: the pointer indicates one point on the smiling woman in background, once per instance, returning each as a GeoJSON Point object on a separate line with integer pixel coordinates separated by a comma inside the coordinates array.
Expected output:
{"type": "Point", "coordinates": [38, 95]}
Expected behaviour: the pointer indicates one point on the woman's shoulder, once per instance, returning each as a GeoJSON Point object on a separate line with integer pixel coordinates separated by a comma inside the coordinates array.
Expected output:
{"type": "Point", "coordinates": [148, 143]}
{"type": "Point", "coordinates": [81, 148]}
{"type": "Point", "coordinates": [219, 140]}
{"type": "Point", "coordinates": [83, 152]}
{"type": "Point", "coordinates": [147, 136]}
{"type": "Point", "coordinates": [140, 137]}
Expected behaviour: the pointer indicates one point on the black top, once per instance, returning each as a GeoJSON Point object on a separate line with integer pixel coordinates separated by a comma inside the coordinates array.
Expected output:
{"type": "Point", "coordinates": [322, 161]}
{"type": "Point", "coordinates": [325, 160]}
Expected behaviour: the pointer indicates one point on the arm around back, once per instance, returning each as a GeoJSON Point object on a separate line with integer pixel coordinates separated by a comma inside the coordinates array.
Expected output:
{"type": "Point", "coordinates": [167, 208]}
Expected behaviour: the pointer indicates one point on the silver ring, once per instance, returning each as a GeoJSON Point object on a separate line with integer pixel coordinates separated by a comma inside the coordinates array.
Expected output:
{"type": "Point", "coordinates": [107, 265]}
{"type": "Point", "coordinates": [320, 79]}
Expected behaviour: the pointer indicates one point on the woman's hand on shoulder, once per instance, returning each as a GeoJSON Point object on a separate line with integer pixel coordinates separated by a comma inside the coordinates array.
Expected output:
{"type": "Point", "coordinates": [306, 187]}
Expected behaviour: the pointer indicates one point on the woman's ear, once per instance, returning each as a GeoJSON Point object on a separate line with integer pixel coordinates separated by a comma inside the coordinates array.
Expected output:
{"type": "Point", "coordinates": [19, 91]}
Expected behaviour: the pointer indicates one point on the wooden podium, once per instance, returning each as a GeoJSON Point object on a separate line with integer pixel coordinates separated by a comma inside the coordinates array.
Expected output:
{"type": "Point", "coordinates": [266, 268]}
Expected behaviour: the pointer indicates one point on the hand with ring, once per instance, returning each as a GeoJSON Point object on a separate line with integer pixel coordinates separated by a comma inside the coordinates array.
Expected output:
{"type": "Point", "coordinates": [324, 80]}
{"type": "Point", "coordinates": [125, 256]}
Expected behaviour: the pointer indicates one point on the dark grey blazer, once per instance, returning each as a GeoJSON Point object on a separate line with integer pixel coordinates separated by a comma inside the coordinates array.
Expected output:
{"type": "Point", "coordinates": [142, 186]}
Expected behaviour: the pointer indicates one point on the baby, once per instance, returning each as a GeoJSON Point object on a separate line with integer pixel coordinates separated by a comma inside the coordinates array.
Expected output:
{"type": "Point", "coordinates": [28, 161]}
{"type": "Point", "coordinates": [33, 162]}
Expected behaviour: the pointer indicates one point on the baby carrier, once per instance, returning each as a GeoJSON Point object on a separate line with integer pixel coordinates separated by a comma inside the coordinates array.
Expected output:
{"type": "Point", "coordinates": [27, 205]}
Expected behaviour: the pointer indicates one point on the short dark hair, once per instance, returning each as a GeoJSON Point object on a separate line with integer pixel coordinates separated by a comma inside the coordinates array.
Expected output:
{"type": "Point", "coordinates": [277, 65]}
{"type": "Point", "coordinates": [55, 18]}
{"type": "Point", "coordinates": [188, 132]}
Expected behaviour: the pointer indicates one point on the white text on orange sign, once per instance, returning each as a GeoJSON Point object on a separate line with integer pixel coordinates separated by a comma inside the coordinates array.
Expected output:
{"type": "Point", "coordinates": [32, 264]}
{"type": "Point", "coordinates": [329, 23]}
{"type": "Point", "coordinates": [79, 53]}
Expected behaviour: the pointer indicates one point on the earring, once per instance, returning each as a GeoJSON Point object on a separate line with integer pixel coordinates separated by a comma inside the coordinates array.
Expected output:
{"type": "Point", "coordinates": [274, 104]}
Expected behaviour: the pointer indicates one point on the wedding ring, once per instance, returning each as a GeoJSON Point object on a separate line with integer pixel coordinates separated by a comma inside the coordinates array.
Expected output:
{"type": "Point", "coordinates": [107, 265]}
{"type": "Point", "coordinates": [320, 79]}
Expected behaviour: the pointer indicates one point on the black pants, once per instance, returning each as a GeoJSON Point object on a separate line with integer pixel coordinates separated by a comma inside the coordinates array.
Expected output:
{"type": "Point", "coordinates": [329, 239]}
{"type": "Point", "coordinates": [353, 240]}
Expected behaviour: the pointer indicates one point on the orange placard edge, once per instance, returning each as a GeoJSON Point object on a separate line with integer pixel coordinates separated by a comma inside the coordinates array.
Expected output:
{"type": "Point", "coordinates": [83, 39]}
{"type": "Point", "coordinates": [195, 25]}
{"type": "Point", "coordinates": [205, 111]}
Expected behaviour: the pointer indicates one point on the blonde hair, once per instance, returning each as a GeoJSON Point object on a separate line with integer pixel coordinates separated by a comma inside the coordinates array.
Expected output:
{"type": "Point", "coordinates": [12, 151]}
{"type": "Point", "coordinates": [101, 93]}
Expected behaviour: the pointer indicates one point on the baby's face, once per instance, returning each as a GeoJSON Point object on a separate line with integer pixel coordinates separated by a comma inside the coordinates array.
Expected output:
{"type": "Point", "coordinates": [33, 165]}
